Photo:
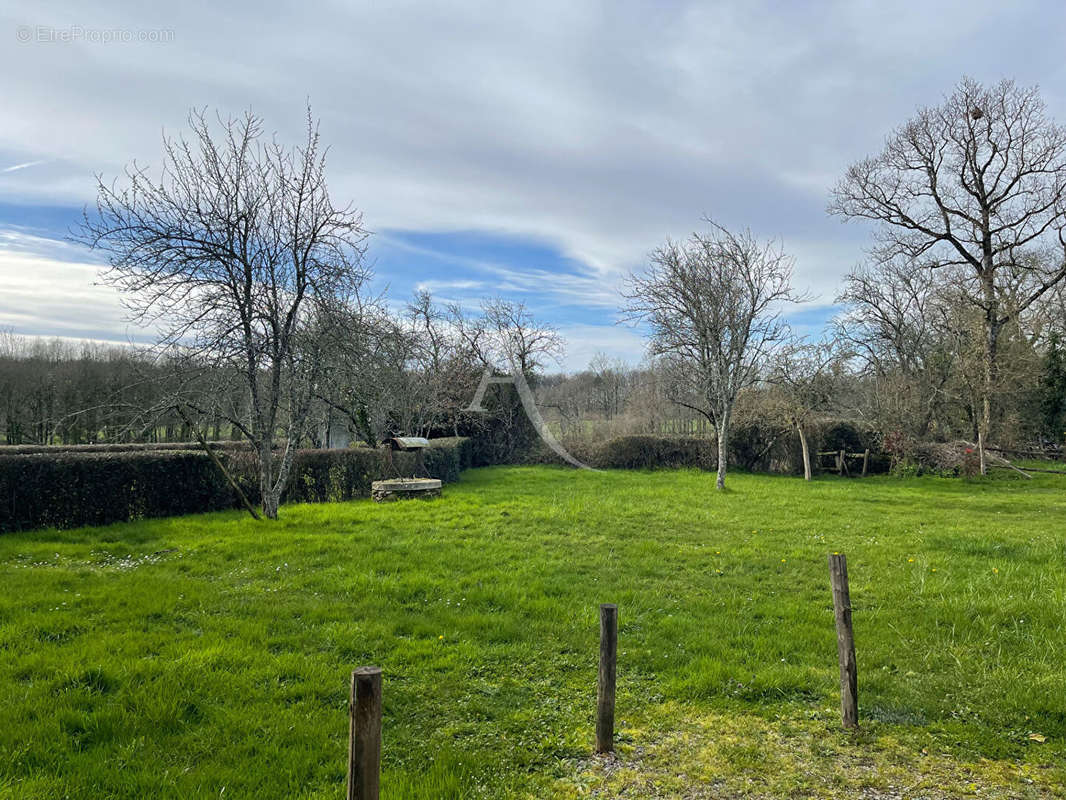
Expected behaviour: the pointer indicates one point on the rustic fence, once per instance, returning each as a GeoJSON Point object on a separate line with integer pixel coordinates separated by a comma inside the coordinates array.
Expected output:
{"type": "Point", "coordinates": [364, 732]}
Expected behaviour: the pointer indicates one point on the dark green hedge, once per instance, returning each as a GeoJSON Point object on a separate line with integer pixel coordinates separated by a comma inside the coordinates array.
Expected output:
{"type": "Point", "coordinates": [132, 447]}
{"type": "Point", "coordinates": [69, 489]}
{"type": "Point", "coordinates": [326, 476]}
{"type": "Point", "coordinates": [652, 452]}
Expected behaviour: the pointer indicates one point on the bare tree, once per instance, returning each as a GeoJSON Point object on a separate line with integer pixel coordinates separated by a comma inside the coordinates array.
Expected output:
{"type": "Point", "coordinates": [977, 184]}
{"type": "Point", "coordinates": [608, 384]}
{"type": "Point", "coordinates": [898, 329]}
{"type": "Point", "coordinates": [238, 258]}
{"type": "Point", "coordinates": [713, 305]}
{"type": "Point", "coordinates": [510, 334]}
{"type": "Point", "coordinates": [804, 377]}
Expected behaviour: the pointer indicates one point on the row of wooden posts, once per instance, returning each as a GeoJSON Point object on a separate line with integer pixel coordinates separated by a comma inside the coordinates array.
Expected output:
{"type": "Point", "coordinates": [364, 736]}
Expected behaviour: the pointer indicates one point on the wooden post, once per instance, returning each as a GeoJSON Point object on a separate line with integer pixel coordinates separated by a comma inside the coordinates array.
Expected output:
{"type": "Point", "coordinates": [981, 452]}
{"type": "Point", "coordinates": [841, 458]}
{"type": "Point", "coordinates": [364, 735]}
{"type": "Point", "coordinates": [606, 686]}
{"type": "Point", "coordinates": [865, 461]}
{"type": "Point", "coordinates": [849, 702]}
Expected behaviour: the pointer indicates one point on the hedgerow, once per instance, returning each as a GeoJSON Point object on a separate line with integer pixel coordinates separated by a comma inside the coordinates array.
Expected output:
{"type": "Point", "coordinates": [67, 489]}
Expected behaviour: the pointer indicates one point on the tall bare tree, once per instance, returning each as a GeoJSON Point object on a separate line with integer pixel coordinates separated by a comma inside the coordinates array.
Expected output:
{"type": "Point", "coordinates": [977, 184]}
{"type": "Point", "coordinates": [713, 306]}
{"type": "Point", "coordinates": [236, 255]}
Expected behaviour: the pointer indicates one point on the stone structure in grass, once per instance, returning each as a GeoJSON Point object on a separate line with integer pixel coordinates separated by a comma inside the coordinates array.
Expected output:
{"type": "Point", "coordinates": [399, 487]}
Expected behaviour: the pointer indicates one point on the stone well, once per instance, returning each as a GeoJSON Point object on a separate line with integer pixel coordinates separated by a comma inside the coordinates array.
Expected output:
{"type": "Point", "coordinates": [400, 488]}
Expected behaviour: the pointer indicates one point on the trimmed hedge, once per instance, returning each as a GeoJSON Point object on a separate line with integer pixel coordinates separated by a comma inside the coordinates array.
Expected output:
{"type": "Point", "coordinates": [69, 489]}
{"type": "Point", "coordinates": [655, 452]}
{"type": "Point", "coordinates": [130, 447]}
{"type": "Point", "coordinates": [329, 476]}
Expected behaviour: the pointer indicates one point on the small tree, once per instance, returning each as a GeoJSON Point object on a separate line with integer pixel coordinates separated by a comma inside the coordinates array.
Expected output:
{"type": "Point", "coordinates": [713, 306]}
{"type": "Point", "coordinates": [240, 260]}
{"type": "Point", "coordinates": [805, 376]}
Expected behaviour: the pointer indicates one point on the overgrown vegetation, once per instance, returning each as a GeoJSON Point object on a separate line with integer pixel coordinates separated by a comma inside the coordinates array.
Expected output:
{"type": "Point", "coordinates": [181, 657]}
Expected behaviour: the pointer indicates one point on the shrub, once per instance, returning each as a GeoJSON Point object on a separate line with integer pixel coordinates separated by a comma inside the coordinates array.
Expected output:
{"type": "Point", "coordinates": [129, 447]}
{"type": "Point", "coordinates": [651, 452]}
{"type": "Point", "coordinates": [67, 490]}
{"type": "Point", "coordinates": [755, 447]}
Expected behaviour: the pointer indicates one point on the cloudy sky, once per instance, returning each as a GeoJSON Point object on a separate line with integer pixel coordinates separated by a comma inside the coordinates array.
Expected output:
{"type": "Point", "coordinates": [533, 150]}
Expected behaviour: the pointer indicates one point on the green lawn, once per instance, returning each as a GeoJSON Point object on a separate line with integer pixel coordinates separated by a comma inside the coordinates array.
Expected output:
{"type": "Point", "coordinates": [209, 656]}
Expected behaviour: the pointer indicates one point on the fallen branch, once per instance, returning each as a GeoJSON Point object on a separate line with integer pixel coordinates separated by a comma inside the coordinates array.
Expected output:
{"type": "Point", "coordinates": [218, 463]}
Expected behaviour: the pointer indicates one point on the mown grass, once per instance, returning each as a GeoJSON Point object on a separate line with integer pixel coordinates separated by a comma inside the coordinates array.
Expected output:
{"type": "Point", "coordinates": [208, 656]}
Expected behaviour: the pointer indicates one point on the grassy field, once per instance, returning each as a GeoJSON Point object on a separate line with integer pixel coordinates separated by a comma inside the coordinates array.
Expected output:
{"type": "Point", "coordinates": [209, 656]}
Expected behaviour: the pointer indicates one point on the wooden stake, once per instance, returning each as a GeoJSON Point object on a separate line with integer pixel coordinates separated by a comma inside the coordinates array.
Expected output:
{"type": "Point", "coordinates": [865, 461]}
{"type": "Point", "coordinates": [364, 735]}
{"type": "Point", "coordinates": [606, 686]}
{"type": "Point", "coordinates": [849, 702]}
{"type": "Point", "coordinates": [981, 452]}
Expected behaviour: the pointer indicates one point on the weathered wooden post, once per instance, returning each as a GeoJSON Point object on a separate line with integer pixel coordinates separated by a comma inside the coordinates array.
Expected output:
{"type": "Point", "coordinates": [606, 687]}
{"type": "Point", "coordinates": [849, 702]}
{"type": "Point", "coordinates": [364, 735]}
{"type": "Point", "coordinates": [865, 461]}
{"type": "Point", "coordinates": [842, 462]}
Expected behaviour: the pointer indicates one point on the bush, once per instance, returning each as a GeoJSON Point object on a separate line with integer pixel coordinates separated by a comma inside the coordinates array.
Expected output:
{"type": "Point", "coordinates": [67, 490]}
{"type": "Point", "coordinates": [129, 447]}
{"type": "Point", "coordinates": [948, 459]}
{"type": "Point", "coordinates": [754, 447]}
{"type": "Point", "coordinates": [651, 452]}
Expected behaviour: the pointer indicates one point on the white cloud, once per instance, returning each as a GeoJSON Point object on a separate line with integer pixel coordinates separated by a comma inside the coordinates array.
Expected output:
{"type": "Point", "coordinates": [45, 295]}
{"type": "Point", "coordinates": [24, 165]}
{"type": "Point", "coordinates": [598, 127]}
{"type": "Point", "coordinates": [583, 342]}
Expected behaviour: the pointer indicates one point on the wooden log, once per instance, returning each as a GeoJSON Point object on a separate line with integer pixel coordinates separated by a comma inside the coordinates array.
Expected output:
{"type": "Point", "coordinates": [838, 579]}
{"type": "Point", "coordinates": [1027, 469]}
{"type": "Point", "coordinates": [865, 461]}
{"type": "Point", "coordinates": [606, 685]}
{"type": "Point", "coordinates": [364, 735]}
{"type": "Point", "coordinates": [1038, 454]}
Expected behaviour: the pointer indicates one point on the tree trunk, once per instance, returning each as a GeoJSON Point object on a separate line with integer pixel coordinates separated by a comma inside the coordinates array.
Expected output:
{"type": "Point", "coordinates": [723, 449]}
{"type": "Point", "coordinates": [991, 342]}
{"type": "Point", "coordinates": [270, 496]}
{"type": "Point", "coordinates": [806, 452]}
{"type": "Point", "coordinates": [271, 501]}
